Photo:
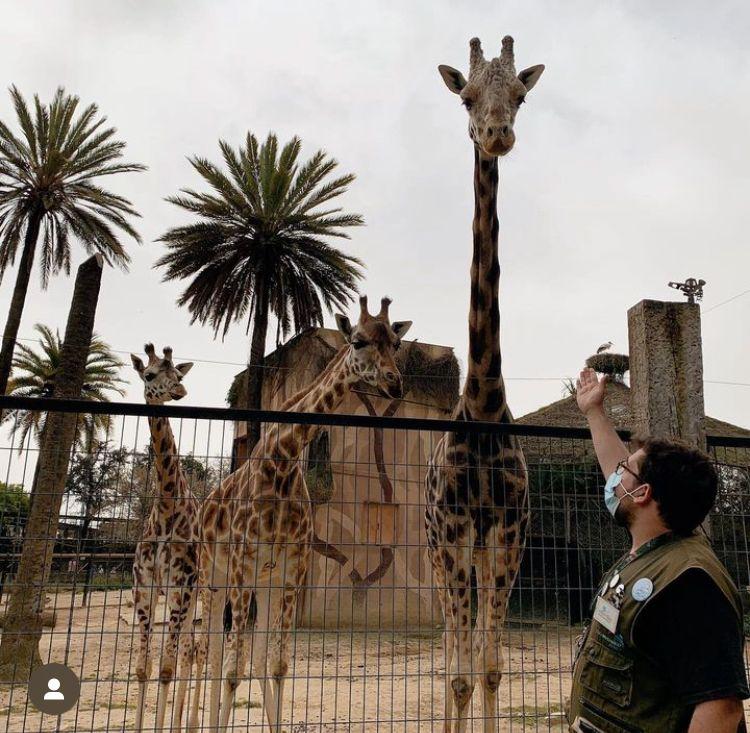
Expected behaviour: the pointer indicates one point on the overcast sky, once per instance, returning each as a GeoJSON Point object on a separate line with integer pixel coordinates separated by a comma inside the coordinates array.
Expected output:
{"type": "Point", "coordinates": [630, 167]}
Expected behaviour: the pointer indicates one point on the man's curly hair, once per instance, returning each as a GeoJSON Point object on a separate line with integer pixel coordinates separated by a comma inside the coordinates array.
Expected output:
{"type": "Point", "coordinates": [683, 480]}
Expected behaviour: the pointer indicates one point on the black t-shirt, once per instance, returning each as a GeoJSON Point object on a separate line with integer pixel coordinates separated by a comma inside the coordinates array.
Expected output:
{"type": "Point", "coordinates": [691, 630]}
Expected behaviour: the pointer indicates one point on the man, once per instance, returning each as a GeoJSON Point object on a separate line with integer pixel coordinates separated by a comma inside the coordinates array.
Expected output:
{"type": "Point", "coordinates": [664, 650]}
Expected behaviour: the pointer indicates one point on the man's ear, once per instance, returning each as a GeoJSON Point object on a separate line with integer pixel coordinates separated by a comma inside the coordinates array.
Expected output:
{"type": "Point", "coordinates": [529, 77]}
{"type": "Point", "coordinates": [400, 328]}
{"type": "Point", "coordinates": [645, 493]}
{"type": "Point", "coordinates": [453, 78]}
{"type": "Point", "coordinates": [344, 325]}
{"type": "Point", "coordinates": [137, 363]}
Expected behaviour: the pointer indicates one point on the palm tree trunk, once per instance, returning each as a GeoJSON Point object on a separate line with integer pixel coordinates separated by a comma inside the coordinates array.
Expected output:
{"type": "Point", "coordinates": [255, 368]}
{"type": "Point", "coordinates": [23, 277]}
{"type": "Point", "coordinates": [19, 648]}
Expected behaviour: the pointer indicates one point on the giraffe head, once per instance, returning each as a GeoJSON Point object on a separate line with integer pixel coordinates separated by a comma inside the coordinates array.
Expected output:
{"type": "Point", "coordinates": [373, 342]}
{"type": "Point", "coordinates": [161, 377]}
{"type": "Point", "coordinates": [492, 95]}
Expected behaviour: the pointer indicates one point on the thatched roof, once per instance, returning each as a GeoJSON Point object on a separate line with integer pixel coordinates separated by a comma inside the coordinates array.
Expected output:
{"type": "Point", "coordinates": [565, 413]}
{"type": "Point", "coordinates": [431, 373]}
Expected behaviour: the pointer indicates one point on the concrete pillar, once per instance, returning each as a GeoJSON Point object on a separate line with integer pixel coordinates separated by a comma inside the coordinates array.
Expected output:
{"type": "Point", "coordinates": [666, 371]}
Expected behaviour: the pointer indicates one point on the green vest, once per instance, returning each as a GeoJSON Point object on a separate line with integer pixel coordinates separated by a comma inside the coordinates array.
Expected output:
{"type": "Point", "coordinates": [617, 688]}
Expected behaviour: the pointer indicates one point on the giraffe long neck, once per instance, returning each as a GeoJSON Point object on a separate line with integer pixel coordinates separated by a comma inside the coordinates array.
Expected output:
{"type": "Point", "coordinates": [324, 395]}
{"type": "Point", "coordinates": [168, 472]}
{"type": "Point", "coordinates": [484, 391]}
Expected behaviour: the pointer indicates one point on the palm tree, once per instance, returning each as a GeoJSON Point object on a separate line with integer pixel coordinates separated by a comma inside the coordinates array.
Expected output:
{"type": "Point", "coordinates": [35, 377]}
{"type": "Point", "coordinates": [259, 247]}
{"type": "Point", "coordinates": [48, 187]}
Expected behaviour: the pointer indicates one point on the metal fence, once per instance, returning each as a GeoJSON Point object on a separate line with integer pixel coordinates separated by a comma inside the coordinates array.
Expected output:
{"type": "Point", "coordinates": [364, 647]}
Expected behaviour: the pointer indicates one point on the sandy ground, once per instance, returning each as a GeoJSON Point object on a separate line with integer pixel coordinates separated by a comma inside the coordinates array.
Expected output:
{"type": "Point", "coordinates": [346, 681]}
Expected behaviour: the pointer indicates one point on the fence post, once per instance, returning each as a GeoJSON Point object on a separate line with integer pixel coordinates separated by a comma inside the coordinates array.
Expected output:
{"type": "Point", "coordinates": [666, 371]}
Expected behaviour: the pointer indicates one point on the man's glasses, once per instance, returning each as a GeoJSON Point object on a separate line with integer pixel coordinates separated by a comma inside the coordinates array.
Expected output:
{"type": "Point", "coordinates": [622, 466]}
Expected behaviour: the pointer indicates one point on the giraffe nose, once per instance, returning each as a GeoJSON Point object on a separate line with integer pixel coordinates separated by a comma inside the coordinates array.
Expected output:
{"type": "Point", "coordinates": [500, 130]}
{"type": "Point", "coordinates": [391, 377]}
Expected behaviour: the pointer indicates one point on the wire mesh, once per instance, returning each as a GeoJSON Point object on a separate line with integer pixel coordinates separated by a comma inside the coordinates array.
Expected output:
{"type": "Point", "coordinates": [315, 608]}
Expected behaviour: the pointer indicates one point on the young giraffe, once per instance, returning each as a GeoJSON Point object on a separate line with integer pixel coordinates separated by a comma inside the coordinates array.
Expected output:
{"type": "Point", "coordinates": [476, 485]}
{"type": "Point", "coordinates": [166, 560]}
{"type": "Point", "coordinates": [257, 526]}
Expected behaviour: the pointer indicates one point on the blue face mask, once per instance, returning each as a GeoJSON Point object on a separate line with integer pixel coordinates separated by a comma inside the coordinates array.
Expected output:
{"type": "Point", "coordinates": [610, 498]}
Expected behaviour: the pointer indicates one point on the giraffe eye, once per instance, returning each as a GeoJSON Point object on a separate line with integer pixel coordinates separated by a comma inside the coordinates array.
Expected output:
{"type": "Point", "coordinates": [359, 344]}
{"type": "Point", "coordinates": [521, 100]}
{"type": "Point", "coordinates": [468, 103]}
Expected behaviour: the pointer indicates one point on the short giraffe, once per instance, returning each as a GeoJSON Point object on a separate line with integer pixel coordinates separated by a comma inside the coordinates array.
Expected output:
{"type": "Point", "coordinates": [165, 560]}
{"type": "Point", "coordinates": [257, 526]}
{"type": "Point", "coordinates": [476, 485]}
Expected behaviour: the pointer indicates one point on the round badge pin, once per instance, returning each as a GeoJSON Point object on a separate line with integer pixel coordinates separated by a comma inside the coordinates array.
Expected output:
{"type": "Point", "coordinates": [642, 589]}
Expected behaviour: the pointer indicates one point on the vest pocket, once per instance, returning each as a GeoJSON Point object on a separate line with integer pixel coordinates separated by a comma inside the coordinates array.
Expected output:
{"type": "Point", "coordinates": [608, 674]}
{"type": "Point", "coordinates": [601, 722]}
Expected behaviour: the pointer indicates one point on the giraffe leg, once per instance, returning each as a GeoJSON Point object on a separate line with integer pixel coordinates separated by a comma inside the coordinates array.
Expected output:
{"type": "Point", "coordinates": [294, 568]}
{"type": "Point", "coordinates": [215, 637]}
{"type": "Point", "coordinates": [236, 660]}
{"type": "Point", "coordinates": [186, 650]}
{"type": "Point", "coordinates": [179, 601]}
{"type": "Point", "coordinates": [456, 559]}
{"type": "Point", "coordinates": [144, 597]}
{"type": "Point", "coordinates": [267, 598]}
{"type": "Point", "coordinates": [495, 578]}
{"type": "Point", "coordinates": [439, 583]}
{"type": "Point", "coordinates": [201, 652]}
{"type": "Point", "coordinates": [199, 660]}
{"type": "Point", "coordinates": [448, 640]}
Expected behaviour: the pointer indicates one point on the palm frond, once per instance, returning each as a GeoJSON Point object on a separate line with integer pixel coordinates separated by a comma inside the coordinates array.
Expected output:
{"type": "Point", "coordinates": [35, 369]}
{"type": "Point", "coordinates": [50, 171]}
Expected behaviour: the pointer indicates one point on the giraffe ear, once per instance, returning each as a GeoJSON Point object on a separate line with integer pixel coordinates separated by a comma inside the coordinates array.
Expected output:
{"type": "Point", "coordinates": [400, 328]}
{"type": "Point", "coordinates": [184, 368]}
{"type": "Point", "coordinates": [344, 325]}
{"type": "Point", "coordinates": [137, 363]}
{"type": "Point", "coordinates": [453, 78]}
{"type": "Point", "coordinates": [529, 77]}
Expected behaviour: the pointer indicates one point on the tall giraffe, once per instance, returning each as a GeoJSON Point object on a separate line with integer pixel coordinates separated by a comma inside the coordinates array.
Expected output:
{"type": "Point", "coordinates": [257, 526]}
{"type": "Point", "coordinates": [166, 561]}
{"type": "Point", "coordinates": [476, 485]}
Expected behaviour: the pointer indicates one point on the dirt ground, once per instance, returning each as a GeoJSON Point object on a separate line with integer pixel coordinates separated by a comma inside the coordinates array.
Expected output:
{"type": "Point", "coordinates": [351, 680]}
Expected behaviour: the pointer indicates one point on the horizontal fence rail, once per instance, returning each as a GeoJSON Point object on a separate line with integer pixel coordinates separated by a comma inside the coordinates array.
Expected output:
{"type": "Point", "coordinates": [307, 582]}
{"type": "Point", "coordinates": [294, 418]}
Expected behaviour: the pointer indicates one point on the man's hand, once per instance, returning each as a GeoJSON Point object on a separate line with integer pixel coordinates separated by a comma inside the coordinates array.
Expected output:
{"type": "Point", "coordinates": [590, 391]}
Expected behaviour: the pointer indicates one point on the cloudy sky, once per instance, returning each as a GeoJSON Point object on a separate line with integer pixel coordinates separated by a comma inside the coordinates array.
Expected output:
{"type": "Point", "coordinates": [630, 167]}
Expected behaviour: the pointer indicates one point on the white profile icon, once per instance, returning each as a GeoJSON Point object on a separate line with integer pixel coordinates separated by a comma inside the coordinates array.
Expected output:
{"type": "Point", "coordinates": [54, 687]}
